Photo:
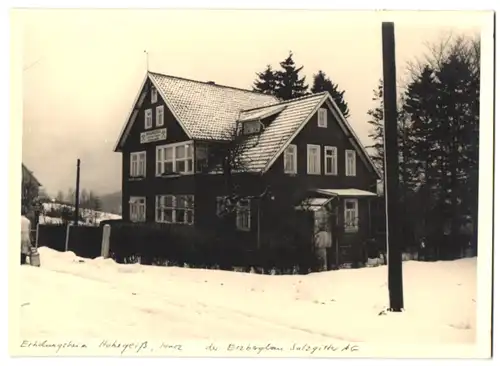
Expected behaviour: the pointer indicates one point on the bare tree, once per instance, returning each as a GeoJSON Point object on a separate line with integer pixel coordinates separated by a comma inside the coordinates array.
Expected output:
{"type": "Point", "coordinates": [467, 48]}
{"type": "Point", "coordinates": [230, 157]}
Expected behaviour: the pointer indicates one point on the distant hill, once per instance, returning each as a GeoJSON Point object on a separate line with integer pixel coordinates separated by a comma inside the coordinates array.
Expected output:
{"type": "Point", "coordinates": [112, 202]}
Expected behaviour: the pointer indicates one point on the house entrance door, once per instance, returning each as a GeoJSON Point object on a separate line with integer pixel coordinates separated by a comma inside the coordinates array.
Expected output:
{"type": "Point", "coordinates": [333, 255]}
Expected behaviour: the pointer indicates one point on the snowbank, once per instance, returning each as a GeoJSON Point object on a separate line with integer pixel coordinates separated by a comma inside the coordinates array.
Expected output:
{"type": "Point", "coordinates": [100, 298]}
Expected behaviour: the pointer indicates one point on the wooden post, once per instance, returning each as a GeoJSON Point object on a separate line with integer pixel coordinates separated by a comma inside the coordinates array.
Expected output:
{"type": "Point", "coordinates": [370, 233]}
{"type": "Point", "coordinates": [106, 234]}
{"type": "Point", "coordinates": [66, 245]}
{"type": "Point", "coordinates": [77, 192]}
{"type": "Point", "coordinates": [394, 240]}
{"type": "Point", "coordinates": [258, 223]}
{"type": "Point", "coordinates": [36, 235]}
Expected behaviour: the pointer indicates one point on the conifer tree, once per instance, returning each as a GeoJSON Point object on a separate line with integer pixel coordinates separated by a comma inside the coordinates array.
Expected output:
{"type": "Point", "coordinates": [289, 83]}
{"type": "Point", "coordinates": [266, 81]}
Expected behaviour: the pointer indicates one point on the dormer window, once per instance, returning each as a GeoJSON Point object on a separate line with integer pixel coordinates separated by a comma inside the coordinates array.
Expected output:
{"type": "Point", "coordinates": [251, 127]}
{"type": "Point", "coordinates": [154, 95]}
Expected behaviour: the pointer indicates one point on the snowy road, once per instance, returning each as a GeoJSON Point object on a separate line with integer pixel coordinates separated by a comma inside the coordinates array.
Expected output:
{"type": "Point", "coordinates": [99, 298]}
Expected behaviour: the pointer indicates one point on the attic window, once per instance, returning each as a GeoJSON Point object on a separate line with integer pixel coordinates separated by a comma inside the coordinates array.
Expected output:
{"type": "Point", "coordinates": [251, 127]}
{"type": "Point", "coordinates": [154, 95]}
{"type": "Point", "coordinates": [322, 121]}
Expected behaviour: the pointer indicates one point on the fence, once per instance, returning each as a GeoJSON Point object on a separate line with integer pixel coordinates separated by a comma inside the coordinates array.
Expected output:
{"type": "Point", "coordinates": [202, 248]}
{"type": "Point", "coordinates": [84, 241]}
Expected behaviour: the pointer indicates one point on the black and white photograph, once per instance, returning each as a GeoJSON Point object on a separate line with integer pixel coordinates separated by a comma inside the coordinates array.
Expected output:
{"type": "Point", "coordinates": [251, 183]}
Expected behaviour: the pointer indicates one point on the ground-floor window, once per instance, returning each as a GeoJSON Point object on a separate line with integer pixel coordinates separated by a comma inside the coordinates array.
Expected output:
{"type": "Point", "coordinates": [351, 215]}
{"type": "Point", "coordinates": [175, 209]}
{"type": "Point", "coordinates": [137, 207]}
{"type": "Point", "coordinates": [242, 209]}
{"type": "Point", "coordinates": [243, 215]}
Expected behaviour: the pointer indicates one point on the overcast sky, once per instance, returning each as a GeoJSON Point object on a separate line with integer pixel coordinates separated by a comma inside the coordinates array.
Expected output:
{"type": "Point", "coordinates": [84, 68]}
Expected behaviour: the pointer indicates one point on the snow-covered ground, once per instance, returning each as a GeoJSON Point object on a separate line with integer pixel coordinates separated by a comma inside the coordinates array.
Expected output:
{"type": "Point", "coordinates": [96, 299]}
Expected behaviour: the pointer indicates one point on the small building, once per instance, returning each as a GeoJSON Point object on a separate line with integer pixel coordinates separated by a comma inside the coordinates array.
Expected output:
{"type": "Point", "coordinates": [190, 148]}
{"type": "Point", "coordinates": [30, 191]}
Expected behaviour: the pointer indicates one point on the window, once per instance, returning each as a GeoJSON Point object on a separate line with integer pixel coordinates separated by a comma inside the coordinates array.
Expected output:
{"type": "Point", "coordinates": [175, 209]}
{"type": "Point", "coordinates": [201, 152]}
{"type": "Point", "coordinates": [351, 215]}
{"type": "Point", "coordinates": [148, 118]}
{"type": "Point", "coordinates": [330, 160]}
{"type": "Point", "coordinates": [175, 158]}
{"type": "Point", "coordinates": [154, 95]}
{"type": "Point", "coordinates": [137, 209]}
{"type": "Point", "coordinates": [350, 163]}
{"type": "Point", "coordinates": [243, 215]}
{"type": "Point", "coordinates": [251, 127]}
{"type": "Point", "coordinates": [290, 159]}
{"type": "Point", "coordinates": [138, 164]}
{"type": "Point", "coordinates": [322, 119]}
{"type": "Point", "coordinates": [313, 159]}
{"type": "Point", "coordinates": [160, 117]}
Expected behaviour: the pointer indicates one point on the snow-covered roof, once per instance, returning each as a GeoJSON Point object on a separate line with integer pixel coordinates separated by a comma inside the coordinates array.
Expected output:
{"type": "Point", "coordinates": [205, 110]}
{"type": "Point", "coordinates": [208, 111]}
{"type": "Point", "coordinates": [348, 192]}
{"type": "Point", "coordinates": [262, 148]}
{"type": "Point", "coordinates": [260, 113]}
{"type": "Point", "coordinates": [313, 203]}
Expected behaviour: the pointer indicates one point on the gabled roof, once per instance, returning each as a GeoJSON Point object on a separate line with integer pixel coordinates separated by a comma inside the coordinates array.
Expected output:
{"type": "Point", "coordinates": [206, 111]}
{"type": "Point", "coordinates": [28, 173]}
{"type": "Point", "coordinates": [262, 150]}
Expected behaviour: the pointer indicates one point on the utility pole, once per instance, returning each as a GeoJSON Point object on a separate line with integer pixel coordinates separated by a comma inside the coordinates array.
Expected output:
{"type": "Point", "coordinates": [394, 240]}
{"type": "Point", "coordinates": [77, 191]}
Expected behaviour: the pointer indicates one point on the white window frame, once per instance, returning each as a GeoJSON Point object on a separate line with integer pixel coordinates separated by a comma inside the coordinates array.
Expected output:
{"type": "Point", "coordinates": [154, 95]}
{"type": "Point", "coordinates": [243, 223]}
{"type": "Point", "coordinates": [350, 163]}
{"type": "Point", "coordinates": [162, 161]}
{"type": "Point", "coordinates": [331, 160]}
{"type": "Point", "coordinates": [290, 154]}
{"type": "Point", "coordinates": [137, 164]}
{"type": "Point", "coordinates": [351, 224]}
{"type": "Point", "coordinates": [322, 118]}
{"type": "Point", "coordinates": [137, 208]}
{"type": "Point", "coordinates": [148, 118]}
{"type": "Point", "coordinates": [160, 116]}
{"type": "Point", "coordinates": [161, 205]}
{"type": "Point", "coordinates": [310, 170]}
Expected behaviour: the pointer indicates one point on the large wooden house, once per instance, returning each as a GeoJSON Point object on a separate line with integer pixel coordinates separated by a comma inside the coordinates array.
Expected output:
{"type": "Point", "coordinates": [300, 154]}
